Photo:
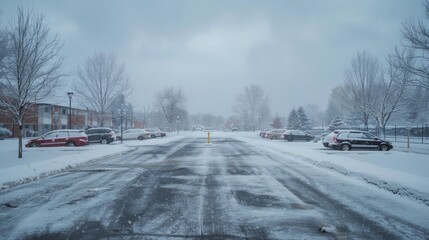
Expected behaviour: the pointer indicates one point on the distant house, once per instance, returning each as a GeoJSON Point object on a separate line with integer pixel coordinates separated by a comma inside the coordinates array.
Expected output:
{"type": "Point", "coordinates": [198, 127]}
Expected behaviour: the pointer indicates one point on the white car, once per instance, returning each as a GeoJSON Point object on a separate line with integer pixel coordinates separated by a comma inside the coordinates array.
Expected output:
{"type": "Point", "coordinates": [155, 132]}
{"type": "Point", "coordinates": [135, 134]}
{"type": "Point", "coordinates": [328, 140]}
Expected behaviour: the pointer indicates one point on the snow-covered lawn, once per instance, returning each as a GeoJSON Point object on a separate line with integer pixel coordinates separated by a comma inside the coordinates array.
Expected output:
{"type": "Point", "coordinates": [43, 161]}
{"type": "Point", "coordinates": [403, 171]}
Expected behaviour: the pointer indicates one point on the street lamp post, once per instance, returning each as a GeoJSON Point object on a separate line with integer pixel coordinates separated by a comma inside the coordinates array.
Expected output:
{"type": "Point", "coordinates": [70, 97]}
{"type": "Point", "coordinates": [177, 124]}
{"type": "Point", "coordinates": [122, 113]}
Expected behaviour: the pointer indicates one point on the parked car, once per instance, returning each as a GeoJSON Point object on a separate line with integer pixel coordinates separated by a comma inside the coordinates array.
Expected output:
{"type": "Point", "coordinates": [297, 135]}
{"type": "Point", "coordinates": [234, 129]}
{"type": "Point", "coordinates": [155, 132]}
{"type": "Point", "coordinates": [136, 134]}
{"type": "Point", "coordinates": [348, 140]}
{"type": "Point", "coordinates": [102, 135]}
{"type": "Point", "coordinates": [4, 132]}
{"type": "Point", "coordinates": [263, 133]}
{"type": "Point", "coordinates": [162, 133]}
{"type": "Point", "coordinates": [275, 134]}
{"type": "Point", "coordinates": [65, 137]}
{"type": "Point", "coordinates": [328, 140]}
{"type": "Point", "coordinates": [321, 136]}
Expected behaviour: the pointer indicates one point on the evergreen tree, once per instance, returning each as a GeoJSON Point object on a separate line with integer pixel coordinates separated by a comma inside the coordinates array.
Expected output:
{"type": "Point", "coordinates": [336, 123]}
{"type": "Point", "coordinates": [293, 121]}
{"type": "Point", "coordinates": [304, 122]}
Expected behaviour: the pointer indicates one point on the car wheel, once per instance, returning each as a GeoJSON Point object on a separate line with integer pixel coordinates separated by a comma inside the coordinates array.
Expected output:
{"type": "Point", "coordinates": [104, 141]}
{"type": "Point", "coordinates": [290, 139]}
{"type": "Point", "coordinates": [384, 148]}
{"type": "Point", "coordinates": [345, 147]}
{"type": "Point", "coordinates": [34, 145]}
{"type": "Point", "coordinates": [71, 144]}
{"type": "Point", "coordinates": [140, 138]}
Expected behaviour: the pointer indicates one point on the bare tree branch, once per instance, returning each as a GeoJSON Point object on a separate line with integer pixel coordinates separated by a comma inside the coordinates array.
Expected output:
{"type": "Point", "coordinates": [416, 39]}
{"type": "Point", "coordinates": [100, 81]}
{"type": "Point", "coordinates": [31, 68]}
{"type": "Point", "coordinates": [360, 87]}
{"type": "Point", "coordinates": [252, 106]}
{"type": "Point", "coordinates": [170, 100]}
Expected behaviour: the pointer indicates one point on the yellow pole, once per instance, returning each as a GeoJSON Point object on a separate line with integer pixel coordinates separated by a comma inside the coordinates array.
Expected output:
{"type": "Point", "coordinates": [208, 137]}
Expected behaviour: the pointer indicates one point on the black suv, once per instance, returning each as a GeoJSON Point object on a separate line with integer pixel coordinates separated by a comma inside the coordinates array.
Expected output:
{"type": "Point", "coordinates": [351, 139]}
{"type": "Point", "coordinates": [102, 135]}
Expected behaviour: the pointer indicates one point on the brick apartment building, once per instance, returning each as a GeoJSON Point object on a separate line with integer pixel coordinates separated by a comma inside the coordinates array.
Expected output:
{"type": "Point", "coordinates": [42, 118]}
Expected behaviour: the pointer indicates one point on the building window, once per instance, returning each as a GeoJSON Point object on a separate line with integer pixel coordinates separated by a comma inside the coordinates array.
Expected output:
{"type": "Point", "coordinates": [46, 109]}
{"type": "Point", "coordinates": [63, 111]}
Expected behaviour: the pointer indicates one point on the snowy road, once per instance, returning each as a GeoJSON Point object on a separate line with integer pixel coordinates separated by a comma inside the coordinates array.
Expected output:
{"type": "Point", "coordinates": [192, 190]}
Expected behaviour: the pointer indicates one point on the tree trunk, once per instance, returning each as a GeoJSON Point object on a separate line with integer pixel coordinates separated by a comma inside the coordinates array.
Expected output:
{"type": "Point", "coordinates": [20, 142]}
{"type": "Point", "coordinates": [384, 131]}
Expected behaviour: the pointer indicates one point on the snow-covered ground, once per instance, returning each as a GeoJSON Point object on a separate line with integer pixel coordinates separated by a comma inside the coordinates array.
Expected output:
{"type": "Point", "coordinates": [403, 170]}
{"type": "Point", "coordinates": [44, 161]}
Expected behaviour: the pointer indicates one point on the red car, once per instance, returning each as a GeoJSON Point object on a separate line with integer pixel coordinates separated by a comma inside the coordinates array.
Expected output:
{"type": "Point", "coordinates": [65, 137]}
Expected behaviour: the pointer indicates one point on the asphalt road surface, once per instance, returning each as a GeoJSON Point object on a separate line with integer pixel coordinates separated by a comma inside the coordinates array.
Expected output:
{"type": "Point", "coordinates": [193, 190]}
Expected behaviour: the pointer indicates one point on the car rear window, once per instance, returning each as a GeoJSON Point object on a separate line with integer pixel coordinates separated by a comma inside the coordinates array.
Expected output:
{"type": "Point", "coordinates": [341, 135]}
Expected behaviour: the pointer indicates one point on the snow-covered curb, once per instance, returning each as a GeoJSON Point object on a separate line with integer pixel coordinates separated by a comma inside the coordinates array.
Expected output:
{"type": "Point", "coordinates": [400, 183]}
{"type": "Point", "coordinates": [20, 174]}
{"type": "Point", "coordinates": [42, 162]}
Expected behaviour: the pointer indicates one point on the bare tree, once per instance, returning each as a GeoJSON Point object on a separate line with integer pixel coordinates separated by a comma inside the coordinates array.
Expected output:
{"type": "Point", "coordinates": [393, 92]}
{"type": "Point", "coordinates": [360, 87]}
{"type": "Point", "coordinates": [252, 106]}
{"type": "Point", "coordinates": [336, 105]}
{"type": "Point", "coordinates": [277, 122]}
{"type": "Point", "coordinates": [31, 69]}
{"type": "Point", "coordinates": [313, 113]}
{"type": "Point", "coordinates": [147, 109]}
{"type": "Point", "coordinates": [100, 81]}
{"type": "Point", "coordinates": [416, 38]}
{"type": "Point", "coordinates": [170, 100]}
{"type": "Point", "coordinates": [3, 45]}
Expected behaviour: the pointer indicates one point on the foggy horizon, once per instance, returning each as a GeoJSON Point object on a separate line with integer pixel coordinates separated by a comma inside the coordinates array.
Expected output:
{"type": "Point", "coordinates": [297, 51]}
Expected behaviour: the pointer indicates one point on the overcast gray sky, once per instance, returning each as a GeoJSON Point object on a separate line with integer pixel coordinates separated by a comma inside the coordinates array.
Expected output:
{"type": "Point", "coordinates": [296, 50]}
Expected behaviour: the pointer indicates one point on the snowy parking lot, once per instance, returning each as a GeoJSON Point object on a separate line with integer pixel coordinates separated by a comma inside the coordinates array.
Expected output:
{"type": "Point", "coordinates": [402, 170]}
{"type": "Point", "coordinates": [237, 186]}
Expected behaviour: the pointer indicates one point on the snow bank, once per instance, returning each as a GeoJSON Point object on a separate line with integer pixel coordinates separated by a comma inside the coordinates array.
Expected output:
{"type": "Point", "coordinates": [402, 173]}
{"type": "Point", "coordinates": [41, 162]}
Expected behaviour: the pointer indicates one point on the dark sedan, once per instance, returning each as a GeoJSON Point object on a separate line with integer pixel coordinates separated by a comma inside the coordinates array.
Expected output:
{"type": "Point", "coordinates": [348, 140]}
{"type": "Point", "coordinates": [297, 135]}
